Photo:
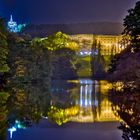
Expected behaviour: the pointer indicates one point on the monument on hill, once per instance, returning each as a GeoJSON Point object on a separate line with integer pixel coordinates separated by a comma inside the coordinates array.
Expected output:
{"type": "Point", "coordinates": [13, 26]}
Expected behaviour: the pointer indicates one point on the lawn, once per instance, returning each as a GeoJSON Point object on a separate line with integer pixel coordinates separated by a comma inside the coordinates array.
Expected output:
{"type": "Point", "coordinates": [85, 67]}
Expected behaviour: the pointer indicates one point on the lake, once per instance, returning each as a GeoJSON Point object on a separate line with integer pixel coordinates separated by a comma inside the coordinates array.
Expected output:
{"type": "Point", "coordinates": [76, 109]}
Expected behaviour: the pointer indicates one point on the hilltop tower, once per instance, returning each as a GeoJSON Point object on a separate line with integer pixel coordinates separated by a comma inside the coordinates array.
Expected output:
{"type": "Point", "coordinates": [12, 25]}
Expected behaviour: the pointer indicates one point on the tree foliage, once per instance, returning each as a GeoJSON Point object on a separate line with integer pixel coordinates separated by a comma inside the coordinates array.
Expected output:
{"type": "Point", "coordinates": [97, 60]}
{"type": "Point", "coordinates": [127, 72]}
{"type": "Point", "coordinates": [62, 54]}
{"type": "Point", "coordinates": [3, 48]}
{"type": "Point", "coordinates": [33, 64]}
{"type": "Point", "coordinates": [126, 65]}
{"type": "Point", "coordinates": [132, 26]}
{"type": "Point", "coordinates": [3, 113]}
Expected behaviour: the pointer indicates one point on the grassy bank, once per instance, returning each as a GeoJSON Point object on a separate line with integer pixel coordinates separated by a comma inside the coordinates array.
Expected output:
{"type": "Point", "coordinates": [85, 66]}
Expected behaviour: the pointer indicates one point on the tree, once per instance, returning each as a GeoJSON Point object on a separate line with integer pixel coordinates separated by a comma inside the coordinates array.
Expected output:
{"type": "Point", "coordinates": [60, 50]}
{"type": "Point", "coordinates": [97, 60]}
{"type": "Point", "coordinates": [3, 47]}
{"type": "Point", "coordinates": [3, 113]}
{"type": "Point", "coordinates": [128, 58]}
{"type": "Point", "coordinates": [64, 61]}
{"type": "Point", "coordinates": [132, 26]}
{"type": "Point", "coordinates": [56, 41]}
{"type": "Point", "coordinates": [3, 29]}
{"type": "Point", "coordinates": [113, 64]}
{"type": "Point", "coordinates": [114, 58]}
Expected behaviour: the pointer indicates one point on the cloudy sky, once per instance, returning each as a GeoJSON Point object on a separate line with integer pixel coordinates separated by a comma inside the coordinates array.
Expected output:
{"type": "Point", "coordinates": [65, 11]}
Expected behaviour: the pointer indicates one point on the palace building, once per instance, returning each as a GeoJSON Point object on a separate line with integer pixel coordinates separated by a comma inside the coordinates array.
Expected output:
{"type": "Point", "coordinates": [109, 44]}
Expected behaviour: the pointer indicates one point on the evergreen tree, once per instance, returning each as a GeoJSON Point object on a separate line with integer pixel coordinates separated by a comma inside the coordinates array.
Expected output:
{"type": "Point", "coordinates": [97, 60]}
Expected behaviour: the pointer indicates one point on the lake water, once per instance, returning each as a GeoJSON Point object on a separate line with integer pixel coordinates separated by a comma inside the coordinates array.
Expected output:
{"type": "Point", "coordinates": [77, 109]}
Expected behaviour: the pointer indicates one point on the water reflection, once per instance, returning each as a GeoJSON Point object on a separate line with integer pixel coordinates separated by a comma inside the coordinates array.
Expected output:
{"type": "Point", "coordinates": [82, 101]}
{"type": "Point", "coordinates": [90, 104]}
{"type": "Point", "coordinates": [93, 103]}
{"type": "Point", "coordinates": [127, 102]}
{"type": "Point", "coordinates": [15, 127]}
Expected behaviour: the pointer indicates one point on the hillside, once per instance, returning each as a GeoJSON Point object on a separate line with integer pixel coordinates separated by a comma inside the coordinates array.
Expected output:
{"type": "Point", "coordinates": [104, 28]}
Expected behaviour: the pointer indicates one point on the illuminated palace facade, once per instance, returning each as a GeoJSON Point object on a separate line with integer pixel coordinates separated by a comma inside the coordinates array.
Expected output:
{"type": "Point", "coordinates": [109, 44]}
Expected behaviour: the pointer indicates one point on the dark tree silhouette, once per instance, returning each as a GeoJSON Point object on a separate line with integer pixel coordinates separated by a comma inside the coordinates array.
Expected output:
{"type": "Point", "coordinates": [132, 26]}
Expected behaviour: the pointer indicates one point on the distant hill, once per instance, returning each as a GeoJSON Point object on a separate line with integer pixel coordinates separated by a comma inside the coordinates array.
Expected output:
{"type": "Point", "coordinates": [104, 28]}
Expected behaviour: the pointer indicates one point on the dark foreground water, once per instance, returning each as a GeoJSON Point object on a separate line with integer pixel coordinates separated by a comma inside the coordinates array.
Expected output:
{"type": "Point", "coordinates": [78, 110]}
{"type": "Point", "coordinates": [46, 131]}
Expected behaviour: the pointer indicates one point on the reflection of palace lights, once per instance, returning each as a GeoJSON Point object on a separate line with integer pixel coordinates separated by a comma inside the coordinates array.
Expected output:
{"type": "Point", "coordinates": [14, 128]}
{"type": "Point", "coordinates": [85, 81]}
{"type": "Point", "coordinates": [86, 96]}
{"type": "Point", "coordinates": [85, 92]}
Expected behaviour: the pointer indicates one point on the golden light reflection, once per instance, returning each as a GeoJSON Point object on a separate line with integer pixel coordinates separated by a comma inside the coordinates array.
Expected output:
{"type": "Point", "coordinates": [105, 86]}
{"type": "Point", "coordinates": [93, 104]}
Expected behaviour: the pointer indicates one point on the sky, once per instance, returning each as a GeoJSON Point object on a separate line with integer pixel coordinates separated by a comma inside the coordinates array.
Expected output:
{"type": "Point", "coordinates": [65, 11]}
